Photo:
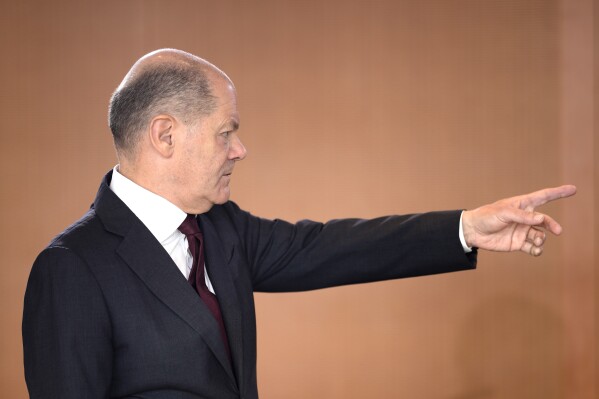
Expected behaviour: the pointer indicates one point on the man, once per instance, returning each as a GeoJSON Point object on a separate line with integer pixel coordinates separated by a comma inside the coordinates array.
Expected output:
{"type": "Point", "coordinates": [109, 311]}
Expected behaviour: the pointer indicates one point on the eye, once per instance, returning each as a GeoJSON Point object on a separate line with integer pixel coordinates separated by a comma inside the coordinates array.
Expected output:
{"type": "Point", "coordinates": [226, 134]}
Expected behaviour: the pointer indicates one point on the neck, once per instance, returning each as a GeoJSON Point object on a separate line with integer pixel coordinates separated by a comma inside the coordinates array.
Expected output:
{"type": "Point", "coordinates": [160, 185]}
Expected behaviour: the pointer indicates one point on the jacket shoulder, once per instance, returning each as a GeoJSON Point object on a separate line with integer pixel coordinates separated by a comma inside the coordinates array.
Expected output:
{"type": "Point", "coordinates": [227, 216]}
{"type": "Point", "coordinates": [81, 236]}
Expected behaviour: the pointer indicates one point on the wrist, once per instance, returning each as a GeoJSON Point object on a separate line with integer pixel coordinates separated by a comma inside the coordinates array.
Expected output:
{"type": "Point", "coordinates": [467, 229]}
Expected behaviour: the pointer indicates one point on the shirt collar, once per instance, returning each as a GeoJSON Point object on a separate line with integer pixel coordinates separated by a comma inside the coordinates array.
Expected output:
{"type": "Point", "coordinates": [159, 215]}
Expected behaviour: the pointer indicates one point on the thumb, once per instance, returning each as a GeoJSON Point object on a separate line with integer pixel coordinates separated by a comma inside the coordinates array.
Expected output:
{"type": "Point", "coordinates": [523, 217]}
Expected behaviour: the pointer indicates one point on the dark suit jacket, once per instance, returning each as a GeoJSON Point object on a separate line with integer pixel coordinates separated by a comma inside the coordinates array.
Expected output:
{"type": "Point", "coordinates": [109, 315]}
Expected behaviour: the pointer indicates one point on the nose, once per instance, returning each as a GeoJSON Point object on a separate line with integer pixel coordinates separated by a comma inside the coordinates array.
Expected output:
{"type": "Point", "coordinates": [237, 151]}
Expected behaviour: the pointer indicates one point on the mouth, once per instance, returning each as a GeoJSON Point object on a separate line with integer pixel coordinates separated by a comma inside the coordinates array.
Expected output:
{"type": "Point", "coordinates": [228, 171]}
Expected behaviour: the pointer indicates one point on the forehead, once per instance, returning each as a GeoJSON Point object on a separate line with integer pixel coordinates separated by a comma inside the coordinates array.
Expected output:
{"type": "Point", "coordinates": [225, 93]}
{"type": "Point", "coordinates": [226, 102]}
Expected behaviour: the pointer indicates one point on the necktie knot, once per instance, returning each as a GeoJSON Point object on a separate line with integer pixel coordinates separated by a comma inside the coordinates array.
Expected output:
{"type": "Point", "coordinates": [190, 227]}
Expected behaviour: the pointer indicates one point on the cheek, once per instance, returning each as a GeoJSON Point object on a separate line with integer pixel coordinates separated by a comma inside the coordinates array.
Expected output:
{"type": "Point", "coordinates": [219, 160]}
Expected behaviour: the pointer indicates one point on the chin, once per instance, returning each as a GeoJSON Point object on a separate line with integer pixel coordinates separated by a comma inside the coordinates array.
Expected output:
{"type": "Point", "coordinates": [221, 199]}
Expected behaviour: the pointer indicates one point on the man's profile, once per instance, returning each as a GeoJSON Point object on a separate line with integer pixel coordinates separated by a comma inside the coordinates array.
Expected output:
{"type": "Point", "coordinates": [150, 293]}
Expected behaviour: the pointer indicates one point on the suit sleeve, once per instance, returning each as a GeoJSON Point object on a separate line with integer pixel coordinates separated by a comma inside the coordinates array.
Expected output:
{"type": "Point", "coordinates": [66, 330]}
{"type": "Point", "coordinates": [311, 255]}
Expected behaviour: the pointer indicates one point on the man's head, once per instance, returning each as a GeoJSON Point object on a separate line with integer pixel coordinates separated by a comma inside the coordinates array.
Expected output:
{"type": "Point", "coordinates": [164, 81]}
{"type": "Point", "coordinates": [174, 120]}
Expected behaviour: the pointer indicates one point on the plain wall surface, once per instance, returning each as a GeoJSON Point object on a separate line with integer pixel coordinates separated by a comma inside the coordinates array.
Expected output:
{"type": "Point", "coordinates": [348, 109]}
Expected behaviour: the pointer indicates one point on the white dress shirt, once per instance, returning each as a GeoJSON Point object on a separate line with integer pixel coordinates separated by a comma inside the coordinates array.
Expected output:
{"type": "Point", "coordinates": [467, 249]}
{"type": "Point", "coordinates": [161, 217]}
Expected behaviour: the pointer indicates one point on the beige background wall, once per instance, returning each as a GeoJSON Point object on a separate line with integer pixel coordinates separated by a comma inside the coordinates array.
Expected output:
{"type": "Point", "coordinates": [349, 108]}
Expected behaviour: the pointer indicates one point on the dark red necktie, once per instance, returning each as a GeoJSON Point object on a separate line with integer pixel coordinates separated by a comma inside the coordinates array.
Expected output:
{"type": "Point", "coordinates": [197, 279]}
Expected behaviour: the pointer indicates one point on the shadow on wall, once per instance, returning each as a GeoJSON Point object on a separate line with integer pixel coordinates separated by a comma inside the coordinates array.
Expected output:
{"type": "Point", "coordinates": [509, 348]}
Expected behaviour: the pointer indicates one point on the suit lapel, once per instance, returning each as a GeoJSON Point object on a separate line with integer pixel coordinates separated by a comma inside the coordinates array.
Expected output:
{"type": "Point", "coordinates": [150, 262]}
{"type": "Point", "coordinates": [218, 255]}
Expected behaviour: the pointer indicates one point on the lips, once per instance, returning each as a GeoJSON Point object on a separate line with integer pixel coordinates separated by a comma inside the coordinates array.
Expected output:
{"type": "Point", "coordinates": [228, 174]}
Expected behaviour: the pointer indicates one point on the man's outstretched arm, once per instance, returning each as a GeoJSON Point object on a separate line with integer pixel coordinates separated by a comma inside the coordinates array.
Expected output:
{"type": "Point", "coordinates": [511, 224]}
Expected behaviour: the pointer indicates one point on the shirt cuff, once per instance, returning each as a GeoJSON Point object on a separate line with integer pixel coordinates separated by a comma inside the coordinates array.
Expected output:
{"type": "Point", "coordinates": [467, 249]}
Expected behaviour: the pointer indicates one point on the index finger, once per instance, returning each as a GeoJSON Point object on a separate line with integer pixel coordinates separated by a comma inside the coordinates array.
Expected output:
{"type": "Point", "coordinates": [541, 197]}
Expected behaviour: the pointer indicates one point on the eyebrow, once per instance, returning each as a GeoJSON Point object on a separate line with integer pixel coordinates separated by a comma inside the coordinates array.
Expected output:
{"type": "Point", "coordinates": [231, 125]}
{"type": "Point", "coordinates": [234, 124]}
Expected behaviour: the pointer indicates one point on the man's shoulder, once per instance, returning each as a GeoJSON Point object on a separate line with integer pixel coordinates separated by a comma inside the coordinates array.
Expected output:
{"type": "Point", "coordinates": [87, 231]}
{"type": "Point", "coordinates": [228, 209]}
{"type": "Point", "coordinates": [228, 215]}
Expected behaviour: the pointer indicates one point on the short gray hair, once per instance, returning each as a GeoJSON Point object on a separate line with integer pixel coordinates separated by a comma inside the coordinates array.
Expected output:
{"type": "Point", "coordinates": [180, 90]}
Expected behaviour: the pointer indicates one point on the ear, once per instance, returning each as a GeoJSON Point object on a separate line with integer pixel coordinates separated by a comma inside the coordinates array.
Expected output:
{"type": "Point", "coordinates": [162, 134]}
